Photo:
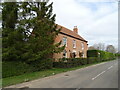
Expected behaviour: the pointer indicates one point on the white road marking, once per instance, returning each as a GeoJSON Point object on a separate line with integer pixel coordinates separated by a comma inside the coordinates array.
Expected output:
{"type": "Point", "coordinates": [102, 73]}
{"type": "Point", "coordinates": [110, 67]}
{"type": "Point", "coordinates": [98, 75]}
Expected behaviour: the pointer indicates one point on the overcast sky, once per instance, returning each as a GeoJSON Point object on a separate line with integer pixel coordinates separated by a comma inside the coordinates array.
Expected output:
{"type": "Point", "coordinates": [97, 20]}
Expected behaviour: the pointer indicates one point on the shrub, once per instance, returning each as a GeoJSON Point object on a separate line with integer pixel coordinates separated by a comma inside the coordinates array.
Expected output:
{"type": "Point", "coordinates": [73, 62]}
{"type": "Point", "coordinates": [41, 64]}
{"type": "Point", "coordinates": [100, 54]}
{"type": "Point", "coordinates": [92, 53]}
{"type": "Point", "coordinates": [14, 68]}
{"type": "Point", "coordinates": [70, 62]}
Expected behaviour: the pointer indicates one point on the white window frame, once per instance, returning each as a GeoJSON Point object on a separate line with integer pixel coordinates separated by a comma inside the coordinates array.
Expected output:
{"type": "Point", "coordinates": [65, 54]}
{"type": "Point", "coordinates": [82, 46]}
{"type": "Point", "coordinates": [74, 43]}
{"type": "Point", "coordinates": [83, 55]}
{"type": "Point", "coordinates": [63, 41]}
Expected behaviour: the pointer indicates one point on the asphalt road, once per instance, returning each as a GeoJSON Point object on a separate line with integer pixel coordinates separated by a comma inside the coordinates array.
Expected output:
{"type": "Point", "coordinates": [104, 75]}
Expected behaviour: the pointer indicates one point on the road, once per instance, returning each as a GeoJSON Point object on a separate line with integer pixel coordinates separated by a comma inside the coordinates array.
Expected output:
{"type": "Point", "coordinates": [104, 75]}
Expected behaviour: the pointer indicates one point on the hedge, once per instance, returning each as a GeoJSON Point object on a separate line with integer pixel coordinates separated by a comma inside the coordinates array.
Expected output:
{"type": "Point", "coordinates": [117, 55]}
{"type": "Point", "coordinates": [70, 62]}
{"type": "Point", "coordinates": [100, 54]}
{"type": "Point", "coordinates": [73, 62]}
{"type": "Point", "coordinates": [14, 68]}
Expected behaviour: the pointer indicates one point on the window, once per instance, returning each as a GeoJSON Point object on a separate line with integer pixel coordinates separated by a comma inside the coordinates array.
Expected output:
{"type": "Point", "coordinates": [64, 42]}
{"type": "Point", "coordinates": [80, 54]}
{"type": "Point", "coordinates": [64, 54]}
{"type": "Point", "coordinates": [82, 46]}
{"type": "Point", "coordinates": [74, 44]}
{"type": "Point", "coordinates": [83, 55]}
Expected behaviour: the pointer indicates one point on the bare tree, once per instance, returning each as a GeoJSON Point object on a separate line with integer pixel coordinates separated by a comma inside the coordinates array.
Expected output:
{"type": "Point", "coordinates": [99, 46]}
{"type": "Point", "coordinates": [111, 48]}
{"type": "Point", "coordinates": [91, 48]}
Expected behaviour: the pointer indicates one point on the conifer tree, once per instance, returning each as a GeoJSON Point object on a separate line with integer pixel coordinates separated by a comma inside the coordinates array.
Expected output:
{"type": "Point", "coordinates": [29, 31]}
{"type": "Point", "coordinates": [9, 19]}
{"type": "Point", "coordinates": [44, 30]}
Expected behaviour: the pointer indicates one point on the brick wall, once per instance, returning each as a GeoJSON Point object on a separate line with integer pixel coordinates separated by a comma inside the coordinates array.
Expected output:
{"type": "Point", "coordinates": [69, 48]}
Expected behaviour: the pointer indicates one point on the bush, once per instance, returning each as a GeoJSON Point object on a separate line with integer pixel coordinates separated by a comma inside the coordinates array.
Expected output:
{"type": "Point", "coordinates": [73, 62]}
{"type": "Point", "coordinates": [117, 55]}
{"type": "Point", "coordinates": [92, 53]}
{"type": "Point", "coordinates": [41, 64]}
{"type": "Point", "coordinates": [14, 68]}
{"type": "Point", "coordinates": [100, 54]}
{"type": "Point", "coordinates": [70, 62]}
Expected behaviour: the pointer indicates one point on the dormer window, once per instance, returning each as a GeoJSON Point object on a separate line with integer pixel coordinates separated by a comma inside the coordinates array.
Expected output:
{"type": "Point", "coordinates": [64, 41]}
{"type": "Point", "coordinates": [74, 44]}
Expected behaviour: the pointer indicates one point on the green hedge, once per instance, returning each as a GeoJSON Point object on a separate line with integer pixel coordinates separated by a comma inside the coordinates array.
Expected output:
{"type": "Point", "coordinates": [93, 60]}
{"type": "Point", "coordinates": [100, 54]}
{"type": "Point", "coordinates": [117, 54]}
{"type": "Point", "coordinates": [14, 68]}
{"type": "Point", "coordinates": [70, 62]}
{"type": "Point", "coordinates": [92, 53]}
{"type": "Point", "coordinates": [73, 62]}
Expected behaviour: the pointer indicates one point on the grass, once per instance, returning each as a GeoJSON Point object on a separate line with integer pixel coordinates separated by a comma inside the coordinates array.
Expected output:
{"type": "Point", "coordinates": [35, 75]}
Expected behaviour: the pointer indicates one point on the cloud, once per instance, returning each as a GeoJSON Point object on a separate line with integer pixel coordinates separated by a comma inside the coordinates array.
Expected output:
{"type": "Point", "coordinates": [96, 21]}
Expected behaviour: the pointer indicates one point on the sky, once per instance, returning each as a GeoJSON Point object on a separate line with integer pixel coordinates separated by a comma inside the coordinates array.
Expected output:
{"type": "Point", "coordinates": [97, 20]}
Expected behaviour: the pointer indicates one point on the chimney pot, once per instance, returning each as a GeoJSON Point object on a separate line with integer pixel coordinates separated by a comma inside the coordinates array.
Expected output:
{"type": "Point", "coordinates": [75, 29]}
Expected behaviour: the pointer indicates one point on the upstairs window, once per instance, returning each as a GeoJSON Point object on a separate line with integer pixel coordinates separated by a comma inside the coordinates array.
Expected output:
{"type": "Point", "coordinates": [82, 46]}
{"type": "Point", "coordinates": [74, 44]}
{"type": "Point", "coordinates": [64, 41]}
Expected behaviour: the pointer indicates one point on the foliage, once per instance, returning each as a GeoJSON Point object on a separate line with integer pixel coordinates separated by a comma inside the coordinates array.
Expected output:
{"type": "Point", "coordinates": [111, 48]}
{"type": "Point", "coordinates": [30, 36]}
{"type": "Point", "coordinates": [70, 62]}
{"type": "Point", "coordinates": [99, 46]}
{"type": "Point", "coordinates": [24, 50]}
{"type": "Point", "coordinates": [35, 75]}
{"type": "Point", "coordinates": [9, 14]}
{"type": "Point", "coordinates": [74, 62]}
{"type": "Point", "coordinates": [117, 55]}
{"type": "Point", "coordinates": [101, 54]}
{"type": "Point", "coordinates": [15, 68]}
{"type": "Point", "coordinates": [12, 68]}
{"type": "Point", "coordinates": [9, 35]}
{"type": "Point", "coordinates": [92, 53]}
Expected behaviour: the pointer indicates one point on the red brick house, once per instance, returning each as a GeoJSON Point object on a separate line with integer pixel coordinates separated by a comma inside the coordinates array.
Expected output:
{"type": "Point", "coordinates": [76, 46]}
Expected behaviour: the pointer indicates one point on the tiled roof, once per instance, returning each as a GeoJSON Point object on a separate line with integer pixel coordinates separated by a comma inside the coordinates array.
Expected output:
{"type": "Point", "coordinates": [70, 33]}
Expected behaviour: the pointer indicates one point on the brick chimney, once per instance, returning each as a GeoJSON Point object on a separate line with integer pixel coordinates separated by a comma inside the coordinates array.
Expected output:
{"type": "Point", "coordinates": [75, 29]}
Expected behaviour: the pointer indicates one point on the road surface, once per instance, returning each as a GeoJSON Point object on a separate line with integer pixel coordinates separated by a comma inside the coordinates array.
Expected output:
{"type": "Point", "coordinates": [104, 75]}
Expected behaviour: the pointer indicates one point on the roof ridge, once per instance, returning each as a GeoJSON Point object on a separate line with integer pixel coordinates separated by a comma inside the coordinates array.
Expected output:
{"type": "Point", "coordinates": [70, 32]}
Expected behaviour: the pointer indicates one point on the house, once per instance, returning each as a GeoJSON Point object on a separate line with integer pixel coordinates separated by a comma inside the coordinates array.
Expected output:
{"type": "Point", "coordinates": [75, 45]}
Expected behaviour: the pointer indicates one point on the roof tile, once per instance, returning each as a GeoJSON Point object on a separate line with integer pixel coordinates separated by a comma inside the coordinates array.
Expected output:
{"type": "Point", "coordinates": [70, 32]}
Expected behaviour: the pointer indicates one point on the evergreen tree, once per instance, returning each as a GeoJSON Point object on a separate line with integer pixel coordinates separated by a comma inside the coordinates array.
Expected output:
{"type": "Point", "coordinates": [12, 35]}
{"type": "Point", "coordinates": [9, 19]}
{"type": "Point", "coordinates": [44, 32]}
{"type": "Point", "coordinates": [30, 36]}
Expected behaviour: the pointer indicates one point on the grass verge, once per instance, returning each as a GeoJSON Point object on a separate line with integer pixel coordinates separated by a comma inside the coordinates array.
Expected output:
{"type": "Point", "coordinates": [35, 75]}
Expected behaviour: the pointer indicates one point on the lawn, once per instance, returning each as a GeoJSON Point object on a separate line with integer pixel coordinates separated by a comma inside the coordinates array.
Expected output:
{"type": "Point", "coordinates": [35, 75]}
